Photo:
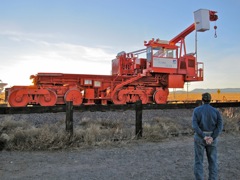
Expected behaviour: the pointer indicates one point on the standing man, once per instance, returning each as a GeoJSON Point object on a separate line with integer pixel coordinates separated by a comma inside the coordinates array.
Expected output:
{"type": "Point", "coordinates": [207, 124]}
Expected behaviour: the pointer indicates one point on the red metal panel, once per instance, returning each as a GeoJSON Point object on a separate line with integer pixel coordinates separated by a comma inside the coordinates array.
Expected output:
{"type": "Point", "coordinates": [175, 81]}
{"type": "Point", "coordinates": [89, 93]}
{"type": "Point", "coordinates": [163, 70]}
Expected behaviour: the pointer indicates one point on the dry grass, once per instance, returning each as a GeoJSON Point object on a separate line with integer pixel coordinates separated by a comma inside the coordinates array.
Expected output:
{"type": "Point", "coordinates": [22, 135]}
{"type": "Point", "coordinates": [164, 128]}
{"type": "Point", "coordinates": [231, 119]}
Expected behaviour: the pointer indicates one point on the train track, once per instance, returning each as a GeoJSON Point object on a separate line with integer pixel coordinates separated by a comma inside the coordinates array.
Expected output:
{"type": "Point", "coordinates": [112, 107]}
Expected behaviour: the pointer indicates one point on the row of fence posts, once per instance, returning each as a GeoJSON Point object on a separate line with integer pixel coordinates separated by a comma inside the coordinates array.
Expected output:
{"type": "Point", "coordinates": [138, 124]}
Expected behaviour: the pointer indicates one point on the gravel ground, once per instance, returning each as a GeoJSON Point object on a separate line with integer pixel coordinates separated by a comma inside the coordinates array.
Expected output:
{"type": "Point", "coordinates": [170, 159]}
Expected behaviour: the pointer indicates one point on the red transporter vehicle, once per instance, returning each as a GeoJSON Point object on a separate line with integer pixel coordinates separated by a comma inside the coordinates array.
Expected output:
{"type": "Point", "coordinates": [148, 79]}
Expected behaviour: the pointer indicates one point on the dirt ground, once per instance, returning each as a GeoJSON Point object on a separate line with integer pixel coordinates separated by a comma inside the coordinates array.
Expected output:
{"type": "Point", "coordinates": [140, 160]}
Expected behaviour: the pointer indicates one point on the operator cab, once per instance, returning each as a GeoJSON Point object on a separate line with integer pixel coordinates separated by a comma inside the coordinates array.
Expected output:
{"type": "Point", "coordinates": [161, 56]}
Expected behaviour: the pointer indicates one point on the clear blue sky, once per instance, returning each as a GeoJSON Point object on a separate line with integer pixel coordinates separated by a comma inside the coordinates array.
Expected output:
{"type": "Point", "coordinates": [76, 36]}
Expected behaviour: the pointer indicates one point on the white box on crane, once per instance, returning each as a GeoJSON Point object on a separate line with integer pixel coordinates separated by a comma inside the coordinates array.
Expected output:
{"type": "Point", "coordinates": [202, 21]}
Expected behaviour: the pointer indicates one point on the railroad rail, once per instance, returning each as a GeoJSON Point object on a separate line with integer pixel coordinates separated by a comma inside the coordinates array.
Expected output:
{"type": "Point", "coordinates": [110, 107]}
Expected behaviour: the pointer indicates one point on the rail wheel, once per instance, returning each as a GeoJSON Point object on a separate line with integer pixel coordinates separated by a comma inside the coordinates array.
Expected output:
{"type": "Point", "coordinates": [17, 98]}
{"type": "Point", "coordinates": [119, 98]}
{"type": "Point", "coordinates": [49, 99]}
{"type": "Point", "coordinates": [160, 96]}
{"type": "Point", "coordinates": [75, 96]}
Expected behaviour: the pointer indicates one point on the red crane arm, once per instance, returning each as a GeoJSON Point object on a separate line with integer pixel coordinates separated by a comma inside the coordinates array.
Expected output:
{"type": "Point", "coordinates": [191, 28]}
{"type": "Point", "coordinates": [183, 34]}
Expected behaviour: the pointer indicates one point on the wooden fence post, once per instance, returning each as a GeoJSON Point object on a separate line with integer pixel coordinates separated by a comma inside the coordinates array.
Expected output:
{"type": "Point", "coordinates": [139, 129]}
{"type": "Point", "coordinates": [69, 117]}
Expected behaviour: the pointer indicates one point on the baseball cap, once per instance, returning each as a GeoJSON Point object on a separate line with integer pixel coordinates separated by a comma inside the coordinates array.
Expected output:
{"type": "Point", "coordinates": [206, 97]}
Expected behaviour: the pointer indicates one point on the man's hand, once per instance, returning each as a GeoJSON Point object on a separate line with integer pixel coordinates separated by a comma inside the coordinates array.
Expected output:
{"type": "Point", "coordinates": [208, 139]}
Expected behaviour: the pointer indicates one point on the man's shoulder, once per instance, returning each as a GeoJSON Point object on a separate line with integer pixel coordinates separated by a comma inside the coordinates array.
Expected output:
{"type": "Point", "coordinates": [198, 108]}
{"type": "Point", "coordinates": [210, 107]}
{"type": "Point", "coordinates": [213, 108]}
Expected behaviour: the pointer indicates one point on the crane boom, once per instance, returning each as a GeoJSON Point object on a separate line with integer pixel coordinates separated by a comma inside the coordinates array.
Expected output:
{"type": "Point", "coordinates": [182, 35]}
{"type": "Point", "coordinates": [191, 28]}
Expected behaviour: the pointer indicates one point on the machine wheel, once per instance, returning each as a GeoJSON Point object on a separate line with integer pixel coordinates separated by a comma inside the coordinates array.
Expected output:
{"type": "Point", "coordinates": [160, 96]}
{"type": "Point", "coordinates": [48, 99]}
{"type": "Point", "coordinates": [18, 99]}
{"type": "Point", "coordinates": [75, 96]}
{"type": "Point", "coordinates": [119, 98]}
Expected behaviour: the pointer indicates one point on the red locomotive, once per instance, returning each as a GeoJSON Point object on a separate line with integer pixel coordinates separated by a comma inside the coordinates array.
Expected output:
{"type": "Point", "coordinates": [133, 78]}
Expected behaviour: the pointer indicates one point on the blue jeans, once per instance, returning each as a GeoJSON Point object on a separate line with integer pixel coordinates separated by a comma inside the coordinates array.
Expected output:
{"type": "Point", "coordinates": [211, 151]}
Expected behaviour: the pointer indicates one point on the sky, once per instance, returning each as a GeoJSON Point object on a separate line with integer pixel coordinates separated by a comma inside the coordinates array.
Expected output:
{"type": "Point", "coordinates": [83, 36]}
